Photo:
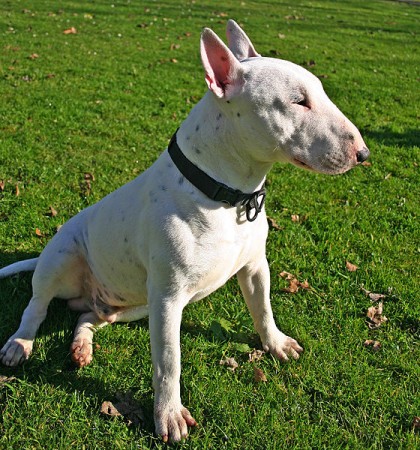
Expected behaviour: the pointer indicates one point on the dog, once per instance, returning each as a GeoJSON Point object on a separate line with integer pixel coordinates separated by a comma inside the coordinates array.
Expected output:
{"type": "Point", "coordinates": [194, 219]}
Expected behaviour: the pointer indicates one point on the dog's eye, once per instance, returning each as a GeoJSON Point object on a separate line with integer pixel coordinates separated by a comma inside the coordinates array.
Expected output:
{"type": "Point", "coordinates": [303, 102]}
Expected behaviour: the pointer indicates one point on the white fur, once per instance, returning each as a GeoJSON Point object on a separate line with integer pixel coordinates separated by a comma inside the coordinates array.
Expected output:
{"type": "Point", "coordinates": [158, 243]}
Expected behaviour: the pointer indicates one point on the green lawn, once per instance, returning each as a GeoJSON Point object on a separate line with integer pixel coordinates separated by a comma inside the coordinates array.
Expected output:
{"type": "Point", "coordinates": [84, 112]}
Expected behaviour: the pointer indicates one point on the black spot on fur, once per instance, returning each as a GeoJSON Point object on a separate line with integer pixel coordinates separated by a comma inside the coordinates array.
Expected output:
{"type": "Point", "coordinates": [278, 104]}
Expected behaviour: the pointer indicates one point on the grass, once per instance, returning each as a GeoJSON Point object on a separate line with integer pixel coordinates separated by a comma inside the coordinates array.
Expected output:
{"type": "Point", "coordinates": [105, 101]}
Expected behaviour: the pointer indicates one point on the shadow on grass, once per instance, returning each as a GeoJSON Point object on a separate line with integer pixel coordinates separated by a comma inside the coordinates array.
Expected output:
{"type": "Point", "coordinates": [408, 138]}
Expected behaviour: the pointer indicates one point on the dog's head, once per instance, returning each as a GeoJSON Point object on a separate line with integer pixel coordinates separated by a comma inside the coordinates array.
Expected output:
{"type": "Point", "coordinates": [279, 108]}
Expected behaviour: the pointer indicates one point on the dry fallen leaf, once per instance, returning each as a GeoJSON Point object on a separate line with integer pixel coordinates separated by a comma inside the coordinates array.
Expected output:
{"type": "Point", "coordinates": [293, 286]}
{"type": "Point", "coordinates": [351, 267]}
{"type": "Point", "coordinates": [376, 345]}
{"type": "Point", "coordinates": [109, 409]}
{"type": "Point", "coordinates": [87, 187]}
{"type": "Point", "coordinates": [259, 375]}
{"type": "Point", "coordinates": [38, 232]}
{"type": "Point", "coordinates": [71, 30]}
{"type": "Point", "coordinates": [416, 423]}
{"type": "Point", "coordinates": [17, 191]}
{"type": "Point", "coordinates": [256, 355]}
{"type": "Point", "coordinates": [2, 183]}
{"type": "Point", "coordinates": [230, 363]}
{"type": "Point", "coordinates": [295, 217]}
{"type": "Point", "coordinates": [366, 163]}
{"type": "Point", "coordinates": [33, 56]}
{"type": "Point", "coordinates": [53, 212]}
{"type": "Point", "coordinates": [374, 314]}
{"type": "Point", "coordinates": [374, 297]}
{"type": "Point", "coordinates": [294, 283]}
{"type": "Point", "coordinates": [286, 275]}
{"type": "Point", "coordinates": [127, 407]}
{"type": "Point", "coordinates": [272, 224]}
{"type": "Point", "coordinates": [4, 379]}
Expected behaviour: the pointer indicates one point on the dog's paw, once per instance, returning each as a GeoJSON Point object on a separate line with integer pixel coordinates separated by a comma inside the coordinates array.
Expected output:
{"type": "Point", "coordinates": [16, 351]}
{"type": "Point", "coordinates": [81, 352]}
{"type": "Point", "coordinates": [282, 346]}
{"type": "Point", "coordinates": [172, 423]}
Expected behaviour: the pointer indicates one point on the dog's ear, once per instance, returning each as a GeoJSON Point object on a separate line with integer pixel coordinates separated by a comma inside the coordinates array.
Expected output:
{"type": "Point", "coordinates": [239, 43]}
{"type": "Point", "coordinates": [223, 70]}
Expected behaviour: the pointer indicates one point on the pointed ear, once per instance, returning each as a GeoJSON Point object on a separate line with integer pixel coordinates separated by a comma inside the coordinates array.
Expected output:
{"type": "Point", "coordinates": [239, 42]}
{"type": "Point", "coordinates": [223, 70]}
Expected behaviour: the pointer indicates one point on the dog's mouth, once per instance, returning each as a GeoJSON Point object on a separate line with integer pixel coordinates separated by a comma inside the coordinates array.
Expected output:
{"type": "Point", "coordinates": [299, 163]}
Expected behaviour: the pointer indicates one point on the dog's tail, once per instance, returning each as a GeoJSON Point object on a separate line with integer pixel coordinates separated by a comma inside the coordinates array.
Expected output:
{"type": "Point", "coordinates": [20, 266]}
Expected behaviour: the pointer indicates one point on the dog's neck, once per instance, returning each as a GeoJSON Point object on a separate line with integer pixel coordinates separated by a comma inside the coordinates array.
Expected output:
{"type": "Point", "coordinates": [207, 138]}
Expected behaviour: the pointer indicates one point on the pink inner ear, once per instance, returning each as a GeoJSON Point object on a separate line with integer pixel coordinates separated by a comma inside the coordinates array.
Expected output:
{"type": "Point", "coordinates": [219, 63]}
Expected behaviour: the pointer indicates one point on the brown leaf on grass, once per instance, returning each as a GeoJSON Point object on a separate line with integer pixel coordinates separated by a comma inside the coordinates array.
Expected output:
{"type": "Point", "coordinates": [294, 283]}
{"type": "Point", "coordinates": [295, 217]}
{"type": "Point", "coordinates": [230, 363]}
{"type": "Point", "coordinates": [376, 345]}
{"type": "Point", "coordinates": [87, 185]}
{"type": "Point", "coordinates": [273, 225]}
{"type": "Point", "coordinates": [4, 379]}
{"type": "Point", "coordinates": [39, 233]}
{"type": "Point", "coordinates": [293, 286]}
{"type": "Point", "coordinates": [2, 184]}
{"type": "Point", "coordinates": [33, 56]}
{"type": "Point", "coordinates": [287, 275]}
{"type": "Point", "coordinates": [415, 424]}
{"type": "Point", "coordinates": [373, 296]}
{"type": "Point", "coordinates": [109, 409]}
{"type": "Point", "coordinates": [126, 407]}
{"type": "Point", "coordinates": [366, 163]}
{"type": "Point", "coordinates": [259, 375]}
{"type": "Point", "coordinates": [256, 355]}
{"type": "Point", "coordinates": [71, 30]}
{"type": "Point", "coordinates": [351, 267]}
{"type": "Point", "coordinates": [375, 317]}
{"type": "Point", "coordinates": [52, 212]}
{"type": "Point", "coordinates": [17, 190]}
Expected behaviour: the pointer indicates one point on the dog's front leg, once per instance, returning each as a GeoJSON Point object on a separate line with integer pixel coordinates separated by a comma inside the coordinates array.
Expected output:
{"type": "Point", "coordinates": [254, 280]}
{"type": "Point", "coordinates": [171, 418]}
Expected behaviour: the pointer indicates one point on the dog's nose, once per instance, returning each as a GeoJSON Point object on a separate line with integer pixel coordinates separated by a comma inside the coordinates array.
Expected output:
{"type": "Point", "coordinates": [362, 155]}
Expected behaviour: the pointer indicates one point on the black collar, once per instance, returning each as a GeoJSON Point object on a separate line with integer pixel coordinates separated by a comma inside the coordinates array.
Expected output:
{"type": "Point", "coordinates": [213, 189]}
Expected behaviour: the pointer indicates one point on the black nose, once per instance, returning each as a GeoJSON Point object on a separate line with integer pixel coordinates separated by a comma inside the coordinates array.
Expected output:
{"type": "Point", "coordinates": [362, 155]}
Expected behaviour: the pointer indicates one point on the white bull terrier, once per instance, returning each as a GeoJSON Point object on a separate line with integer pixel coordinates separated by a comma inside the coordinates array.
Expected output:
{"type": "Point", "coordinates": [194, 219]}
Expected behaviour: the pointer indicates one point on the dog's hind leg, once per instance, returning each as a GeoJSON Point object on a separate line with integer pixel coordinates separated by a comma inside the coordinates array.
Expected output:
{"type": "Point", "coordinates": [82, 347]}
{"type": "Point", "coordinates": [56, 275]}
